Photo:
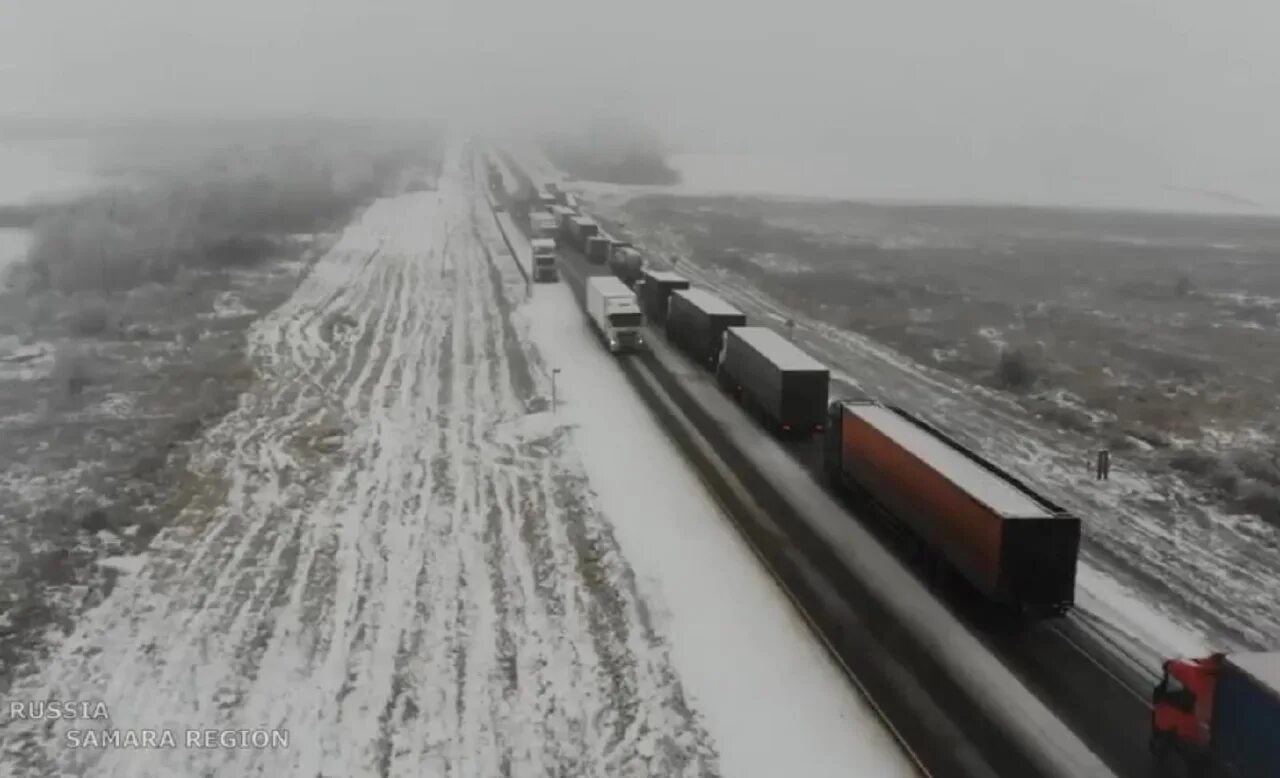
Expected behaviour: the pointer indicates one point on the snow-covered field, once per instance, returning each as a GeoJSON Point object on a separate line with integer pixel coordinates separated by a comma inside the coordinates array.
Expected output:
{"type": "Point", "coordinates": [400, 555]}
{"type": "Point", "coordinates": [802, 174]}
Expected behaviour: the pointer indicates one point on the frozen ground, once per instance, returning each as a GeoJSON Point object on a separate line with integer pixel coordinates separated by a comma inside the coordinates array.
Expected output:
{"type": "Point", "coordinates": [890, 303]}
{"type": "Point", "coordinates": [391, 550]}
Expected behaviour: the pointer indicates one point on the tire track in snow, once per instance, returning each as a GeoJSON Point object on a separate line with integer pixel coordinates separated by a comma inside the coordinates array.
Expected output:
{"type": "Point", "coordinates": [407, 571]}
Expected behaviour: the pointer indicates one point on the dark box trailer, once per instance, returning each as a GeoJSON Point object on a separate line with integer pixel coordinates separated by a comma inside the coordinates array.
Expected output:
{"type": "Point", "coordinates": [1011, 543]}
{"type": "Point", "coordinates": [696, 321]}
{"type": "Point", "coordinates": [774, 379]}
{"type": "Point", "coordinates": [1245, 723]}
{"type": "Point", "coordinates": [597, 249]}
{"type": "Point", "coordinates": [581, 228]}
{"type": "Point", "coordinates": [655, 290]}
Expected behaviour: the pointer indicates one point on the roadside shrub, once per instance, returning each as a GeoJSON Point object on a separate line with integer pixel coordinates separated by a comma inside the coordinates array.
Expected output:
{"type": "Point", "coordinates": [91, 317]}
{"type": "Point", "coordinates": [71, 371]}
{"type": "Point", "coordinates": [229, 208]}
{"type": "Point", "coordinates": [1262, 500]}
{"type": "Point", "coordinates": [613, 150]}
{"type": "Point", "coordinates": [1014, 370]}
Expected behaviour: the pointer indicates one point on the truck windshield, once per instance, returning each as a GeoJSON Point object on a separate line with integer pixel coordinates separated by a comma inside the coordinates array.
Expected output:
{"type": "Point", "coordinates": [625, 319]}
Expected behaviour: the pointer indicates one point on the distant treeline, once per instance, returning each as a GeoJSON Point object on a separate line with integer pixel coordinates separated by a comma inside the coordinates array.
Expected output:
{"type": "Point", "coordinates": [617, 152]}
{"type": "Point", "coordinates": [22, 217]}
{"type": "Point", "coordinates": [232, 206]}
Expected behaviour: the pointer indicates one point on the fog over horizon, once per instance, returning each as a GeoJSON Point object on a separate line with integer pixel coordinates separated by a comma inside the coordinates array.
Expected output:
{"type": "Point", "coordinates": [1106, 100]}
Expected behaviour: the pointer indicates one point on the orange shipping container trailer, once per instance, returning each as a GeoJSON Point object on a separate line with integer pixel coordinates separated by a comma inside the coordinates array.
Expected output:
{"type": "Point", "coordinates": [1008, 541]}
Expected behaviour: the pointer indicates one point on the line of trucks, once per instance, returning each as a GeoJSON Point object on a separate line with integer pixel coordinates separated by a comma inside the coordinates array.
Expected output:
{"type": "Point", "coordinates": [1220, 715]}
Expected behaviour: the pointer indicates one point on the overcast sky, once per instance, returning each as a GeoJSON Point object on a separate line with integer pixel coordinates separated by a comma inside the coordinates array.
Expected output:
{"type": "Point", "coordinates": [1131, 93]}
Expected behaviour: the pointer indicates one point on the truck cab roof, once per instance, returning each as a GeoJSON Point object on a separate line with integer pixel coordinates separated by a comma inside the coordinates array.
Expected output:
{"type": "Point", "coordinates": [546, 244]}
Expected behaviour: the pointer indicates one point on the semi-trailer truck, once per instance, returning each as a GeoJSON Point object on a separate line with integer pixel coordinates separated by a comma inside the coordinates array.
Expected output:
{"type": "Point", "coordinates": [775, 380]}
{"type": "Point", "coordinates": [596, 249]}
{"type": "Point", "coordinates": [544, 260]}
{"type": "Point", "coordinates": [1220, 715]}
{"type": "Point", "coordinates": [696, 321]}
{"type": "Point", "coordinates": [542, 224]}
{"type": "Point", "coordinates": [579, 229]}
{"type": "Point", "coordinates": [615, 314]}
{"type": "Point", "coordinates": [1010, 543]}
{"type": "Point", "coordinates": [545, 199]}
{"type": "Point", "coordinates": [627, 264]}
{"type": "Point", "coordinates": [655, 290]}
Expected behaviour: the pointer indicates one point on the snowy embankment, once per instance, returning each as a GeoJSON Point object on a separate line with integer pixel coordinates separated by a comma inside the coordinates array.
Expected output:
{"type": "Point", "coordinates": [391, 551]}
{"type": "Point", "coordinates": [518, 247]}
{"type": "Point", "coordinates": [501, 234]}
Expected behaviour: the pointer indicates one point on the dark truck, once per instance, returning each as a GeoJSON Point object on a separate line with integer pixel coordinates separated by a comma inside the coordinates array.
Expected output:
{"type": "Point", "coordinates": [774, 380]}
{"type": "Point", "coordinates": [696, 321]}
{"type": "Point", "coordinates": [579, 230]}
{"type": "Point", "coordinates": [626, 263]}
{"type": "Point", "coordinates": [596, 249]}
{"type": "Point", "coordinates": [1010, 543]}
{"type": "Point", "coordinates": [656, 287]}
{"type": "Point", "coordinates": [1221, 714]}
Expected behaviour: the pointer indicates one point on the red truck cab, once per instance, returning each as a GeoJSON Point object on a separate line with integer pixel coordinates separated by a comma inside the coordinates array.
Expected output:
{"type": "Point", "coordinates": [1182, 707]}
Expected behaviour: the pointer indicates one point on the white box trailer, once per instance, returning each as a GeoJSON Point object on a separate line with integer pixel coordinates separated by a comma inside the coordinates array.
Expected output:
{"type": "Point", "coordinates": [615, 313]}
{"type": "Point", "coordinates": [544, 260]}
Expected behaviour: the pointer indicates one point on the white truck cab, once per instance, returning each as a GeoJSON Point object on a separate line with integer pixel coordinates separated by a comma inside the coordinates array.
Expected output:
{"type": "Point", "coordinates": [544, 260]}
{"type": "Point", "coordinates": [615, 312]}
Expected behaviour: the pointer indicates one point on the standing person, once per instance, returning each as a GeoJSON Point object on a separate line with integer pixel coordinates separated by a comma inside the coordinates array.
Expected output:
{"type": "Point", "coordinates": [1104, 465]}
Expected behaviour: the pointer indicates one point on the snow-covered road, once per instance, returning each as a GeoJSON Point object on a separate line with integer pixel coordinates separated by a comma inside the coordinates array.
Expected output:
{"type": "Point", "coordinates": [393, 552]}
